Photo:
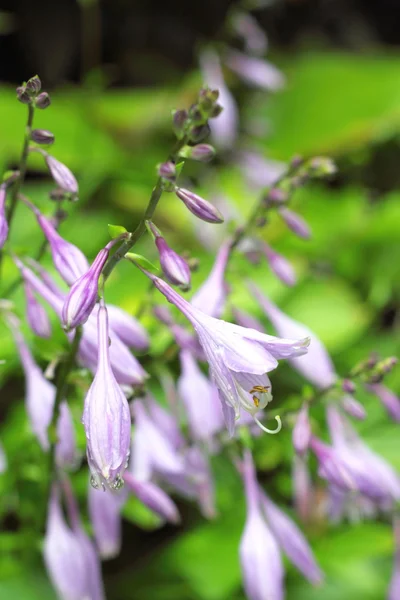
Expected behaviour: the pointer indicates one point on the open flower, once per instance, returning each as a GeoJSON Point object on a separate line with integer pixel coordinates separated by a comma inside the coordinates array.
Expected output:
{"type": "Point", "coordinates": [211, 296]}
{"type": "Point", "coordinates": [239, 358]}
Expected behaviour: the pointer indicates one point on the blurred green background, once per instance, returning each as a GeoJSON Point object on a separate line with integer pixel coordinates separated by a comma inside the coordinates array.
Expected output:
{"type": "Point", "coordinates": [110, 114]}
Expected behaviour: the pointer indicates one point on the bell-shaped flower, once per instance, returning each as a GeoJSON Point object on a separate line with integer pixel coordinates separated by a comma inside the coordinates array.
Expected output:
{"type": "Point", "coordinates": [210, 297]}
{"type": "Point", "coordinates": [69, 261]}
{"type": "Point", "coordinates": [317, 365]}
{"type": "Point", "coordinates": [3, 217]}
{"type": "Point", "coordinates": [106, 417]}
{"type": "Point", "coordinates": [291, 540]}
{"type": "Point", "coordinates": [105, 516]}
{"type": "Point", "coordinates": [389, 400]}
{"type": "Point", "coordinates": [153, 497]}
{"type": "Point", "coordinates": [175, 268]}
{"type": "Point", "coordinates": [36, 315]}
{"type": "Point", "coordinates": [82, 296]}
{"type": "Point", "coordinates": [302, 431]}
{"type": "Point", "coordinates": [239, 358]}
{"type": "Point", "coordinates": [259, 553]}
{"type": "Point", "coordinates": [200, 398]}
{"type": "Point", "coordinates": [255, 71]}
{"type": "Point", "coordinates": [127, 328]}
{"type": "Point", "coordinates": [224, 129]}
{"type": "Point", "coordinates": [279, 265]}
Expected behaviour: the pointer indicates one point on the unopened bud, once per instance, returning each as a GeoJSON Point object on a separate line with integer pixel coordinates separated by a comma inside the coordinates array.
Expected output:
{"type": "Point", "coordinates": [42, 136]}
{"type": "Point", "coordinates": [201, 152]}
{"type": "Point", "coordinates": [61, 175]}
{"type": "Point", "coordinates": [348, 386]}
{"type": "Point", "coordinates": [179, 120]}
{"type": "Point", "coordinates": [23, 95]}
{"type": "Point", "coordinates": [199, 207]}
{"type": "Point", "coordinates": [167, 170]}
{"type": "Point", "coordinates": [280, 266]}
{"type": "Point", "coordinates": [199, 133]}
{"type": "Point", "coordinates": [276, 196]}
{"type": "Point", "coordinates": [34, 85]}
{"type": "Point", "coordinates": [298, 225]}
{"type": "Point", "coordinates": [175, 268]}
{"type": "Point", "coordinates": [353, 407]}
{"type": "Point", "coordinates": [43, 100]}
{"type": "Point", "coordinates": [216, 111]}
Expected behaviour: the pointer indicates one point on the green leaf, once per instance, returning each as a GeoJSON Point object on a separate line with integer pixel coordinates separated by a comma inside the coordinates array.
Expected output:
{"type": "Point", "coordinates": [116, 230]}
{"type": "Point", "coordinates": [143, 262]}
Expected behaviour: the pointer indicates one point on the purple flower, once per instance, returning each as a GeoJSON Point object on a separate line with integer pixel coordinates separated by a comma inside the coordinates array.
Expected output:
{"type": "Point", "coordinates": [82, 296]}
{"type": "Point", "coordinates": [260, 172]}
{"type": "Point", "coordinates": [199, 207]}
{"type": "Point", "coordinates": [106, 417]}
{"type": "Point", "coordinates": [255, 71]}
{"type": "Point", "coordinates": [36, 315]}
{"type": "Point", "coordinates": [302, 431]}
{"type": "Point", "coordinates": [165, 421]}
{"type": "Point", "coordinates": [259, 553]}
{"type": "Point", "coordinates": [291, 540]}
{"type": "Point", "coordinates": [3, 218]}
{"type": "Point", "coordinates": [253, 35]}
{"type": "Point", "coordinates": [224, 129]}
{"type": "Point", "coordinates": [66, 450]}
{"type": "Point", "coordinates": [200, 398]}
{"type": "Point", "coordinates": [175, 268]}
{"type": "Point", "coordinates": [316, 366]}
{"type": "Point", "coordinates": [389, 400]}
{"type": "Point", "coordinates": [279, 265]}
{"type": "Point", "coordinates": [239, 358]}
{"type": "Point", "coordinates": [211, 296]}
{"type": "Point", "coordinates": [61, 174]}
{"type": "Point", "coordinates": [245, 320]}
{"type": "Point", "coordinates": [153, 497]}
{"type": "Point", "coordinates": [104, 510]}
{"type": "Point", "coordinates": [127, 328]}
{"type": "Point", "coordinates": [296, 223]}
{"type": "Point", "coordinates": [353, 407]}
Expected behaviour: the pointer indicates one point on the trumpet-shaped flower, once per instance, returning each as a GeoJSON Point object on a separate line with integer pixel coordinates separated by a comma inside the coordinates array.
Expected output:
{"type": "Point", "coordinates": [239, 358]}
{"type": "Point", "coordinates": [106, 417]}
{"type": "Point", "coordinates": [105, 516]}
{"type": "Point", "coordinates": [211, 296]}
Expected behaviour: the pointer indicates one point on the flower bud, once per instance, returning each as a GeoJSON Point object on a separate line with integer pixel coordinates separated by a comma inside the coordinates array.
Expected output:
{"type": "Point", "coordinates": [353, 407]}
{"type": "Point", "coordinates": [34, 85]}
{"type": "Point", "coordinates": [276, 196]}
{"type": "Point", "coordinates": [82, 296]}
{"type": "Point", "coordinates": [179, 123]}
{"type": "Point", "coordinates": [199, 133]}
{"type": "Point", "coordinates": [295, 223]}
{"type": "Point", "coordinates": [3, 218]}
{"type": "Point", "coordinates": [201, 152]}
{"type": "Point", "coordinates": [153, 497]}
{"type": "Point", "coordinates": [199, 207]}
{"type": "Point", "coordinates": [280, 266]}
{"type": "Point", "coordinates": [167, 170]}
{"type": "Point", "coordinates": [175, 268]}
{"type": "Point", "coordinates": [43, 100]}
{"type": "Point", "coordinates": [61, 175]}
{"type": "Point", "coordinates": [42, 136]}
{"type": "Point", "coordinates": [22, 95]}
{"type": "Point", "coordinates": [36, 315]}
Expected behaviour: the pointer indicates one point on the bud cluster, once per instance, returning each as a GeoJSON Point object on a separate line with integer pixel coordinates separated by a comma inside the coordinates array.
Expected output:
{"type": "Point", "coordinates": [29, 93]}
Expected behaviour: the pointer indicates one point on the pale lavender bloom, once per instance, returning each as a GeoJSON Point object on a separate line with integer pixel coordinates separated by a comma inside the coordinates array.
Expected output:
{"type": "Point", "coordinates": [175, 268]}
{"type": "Point", "coordinates": [82, 296]}
{"type": "Point", "coordinates": [46, 277]}
{"type": "Point", "coordinates": [198, 468]}
{"type": "Point", "coordinates": [353, 407]}
{"type": "Point", "coordinates": [106, 417]}
{"type": "Point", "coordinates": [279, 265]}
{"type": "Point", "coordinates": [259, 171]}
{"type": "Point", "coordinates": [153, 497]}
{"type": "Point", "coordinates": [255, 71]}
{"type": "Point", "coordinates": [239, 358]}
{"type": "Point", "coordinates": [105, 516]}
{"type": "Point", "coordinates": [394, 588]}
{"type": "Point", "coordinates": [259, 552]}
{"type": "Point", "coordinates": [164, 421]}
{"type": "Point", "coordinates": [302, 487]}
{"type": "Point", "coordinates": [36, 315]}
{"type": "Point", "coordinates": [61, 174]}
{"type": "Point", "coordinates": [317, 365]}
{"type": "Point", "coordinates": [211, 296]}
{"type": "Point", "coordinates": [127, 328]}
{"type": "Point", "coordinates": [245, 320]}
{"type": "Point", "coordinates": [302, 431]}
{"type": "Point", "coordinates": [254, 37]}
{"type": "Point", "coordinates": [200, 398]}
{"type": "Point", "coordinates": [66, 450]}
{"type": "Point", "coordinates": [291, 540]}
{"type": "Point", "coordinates": [224, 129]}
{"type": "Point", "coordinates": [331, 467]}
{"type": "Point", "coordinates": [3, 459]}
{"type": "Point", "coordinates": [3, 218]}
{"type": "Point", "coordinates": [389, 400]}
{"type": "Point", "coordinates": [296, 223]}
{"type": "Point", "coordinates": [201, 208]}
{"type": "Point", "coordinates": [40, 393]}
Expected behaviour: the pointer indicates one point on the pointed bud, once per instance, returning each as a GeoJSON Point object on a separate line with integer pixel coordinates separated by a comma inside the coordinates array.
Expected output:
{"type": "Point", "coordinates": [280, 265]}
{"type": "Point", "coordinates": [179, 122]}
{"type": "Point", "coordinates": [389, 400]}
{"type": "Point", "coordinates": [167, 170]}
{"type": "Point", "coordinates": [42, 136]}
{"type": "Point", "coordinates": [82, 296]}
{"type": "Point", "coordinates": [175, 268]}
{"type": "Point", "coordinates": [302, 431]}
{"type": "Point", "coordinates": [34, 85]}
{"type": "Point", "coordinates": [105, 515]}
{"type": "Point", "coordinates": [153, 497]}
{"type": "Point", "coordinates": [199, 133]}
{"type": "Point", "coordinates": [61, 175]}
{"type": "Point", "coordinates": [199, 207]}
{"type": "Point", "coordinates": [36, 315]}
{"type": "Point", "coordinates": [348, 386]}
{"type": "Point", "coordinates": [106, 417]}
{"type": "Point", "coordinates": [353, 407]}
{"type": "Point", "coordinates": [23, 95]}
{"type": "Point", "coordinates": [296, 223]}
{"type": "Point", "coordinates": [200, 152]}
{"type": "Point", "coordinates": [3, 218]}
{"type": "Point", "coordinates": [43, 100]}
{"type": "Point", "coordinates": [277, 196]}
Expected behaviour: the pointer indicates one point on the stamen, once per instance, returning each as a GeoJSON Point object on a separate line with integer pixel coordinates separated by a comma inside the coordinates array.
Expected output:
{"type": "Point", "coordinates": [271, 431]}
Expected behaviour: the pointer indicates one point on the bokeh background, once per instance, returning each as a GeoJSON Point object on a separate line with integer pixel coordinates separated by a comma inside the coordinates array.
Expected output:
{"type": "Point", "coordinates": [115, 70]}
